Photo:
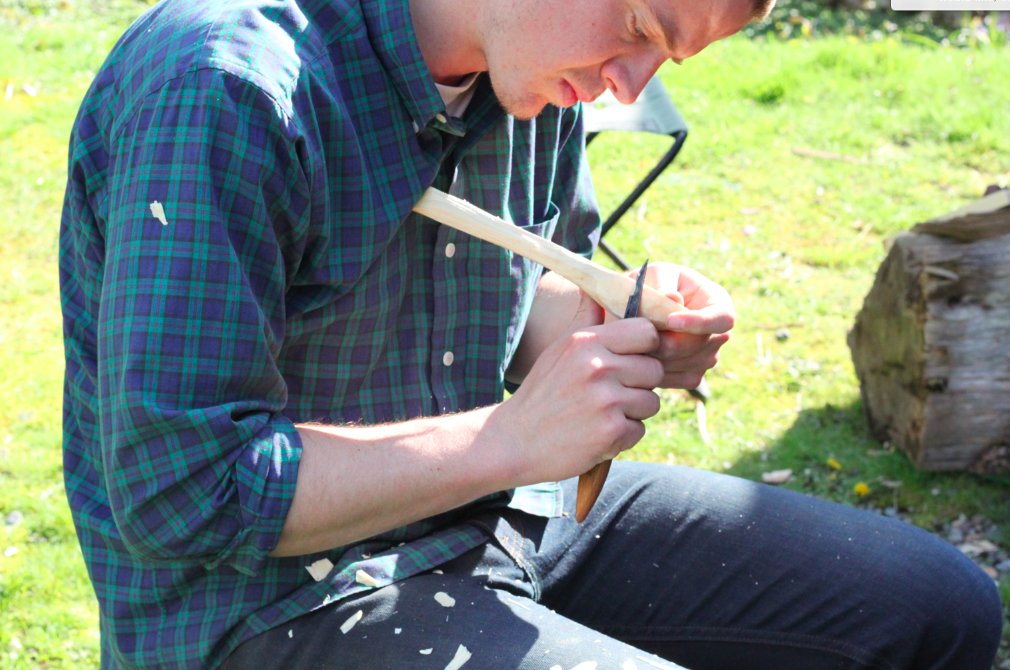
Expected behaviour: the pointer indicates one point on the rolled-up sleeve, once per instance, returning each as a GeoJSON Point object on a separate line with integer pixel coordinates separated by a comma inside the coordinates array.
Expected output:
{"type": "Point", "coordinates": [207, 205]}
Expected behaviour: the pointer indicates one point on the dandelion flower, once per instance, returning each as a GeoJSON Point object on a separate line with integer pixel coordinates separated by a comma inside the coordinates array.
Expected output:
{"type": "Point", "coordinates": [861, 489]}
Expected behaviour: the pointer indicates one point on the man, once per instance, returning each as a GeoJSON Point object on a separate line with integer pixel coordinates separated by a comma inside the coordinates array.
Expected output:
{"type": "Point", "coordinates": [284, 427]}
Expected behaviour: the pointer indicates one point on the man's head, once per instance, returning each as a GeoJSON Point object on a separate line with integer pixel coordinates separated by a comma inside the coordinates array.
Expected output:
{"type": "Point", "coordinates": [563, 51]}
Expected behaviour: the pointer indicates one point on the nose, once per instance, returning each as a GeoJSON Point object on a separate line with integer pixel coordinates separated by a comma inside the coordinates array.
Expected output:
{"type": "Point", "coordinates": [626, 78]}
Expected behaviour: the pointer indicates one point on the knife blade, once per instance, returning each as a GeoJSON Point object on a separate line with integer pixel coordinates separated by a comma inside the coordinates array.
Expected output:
{"type": "Point", "coordinates": [591, 483]}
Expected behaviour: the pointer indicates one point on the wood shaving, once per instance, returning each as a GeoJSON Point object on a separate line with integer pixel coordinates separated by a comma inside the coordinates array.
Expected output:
{"type": "Point", "coordinates": [426, 651]}
{"type": "Point", "coordinates": [629, 665]}
{"type": "Point", "coordinates": [158, 212]}
{"type": "Point", "coordinates": [351, 622]}
{"type": "Point", "coordinates": [444, 599]}
{"type": "Point", "coordinates": [461, 657]}
{"type": "Point", "coordinates": [437, 572]}
{"type": "Point", "coordinates": [586, 665]}
{"type": "Point", "coordinates": [363, 577]}
{"type": "Point", "coordinates": [291, 633]}
{"type": "Point", "coordinates": [320, 569]}
{"type": "Point", "coordinates": [397, 631]}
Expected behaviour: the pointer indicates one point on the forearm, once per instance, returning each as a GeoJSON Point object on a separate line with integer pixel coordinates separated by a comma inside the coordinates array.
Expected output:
{"type": "Point", "coordinates": [356, 482]}
{"type": "Point", "coordinates": [553, 312]}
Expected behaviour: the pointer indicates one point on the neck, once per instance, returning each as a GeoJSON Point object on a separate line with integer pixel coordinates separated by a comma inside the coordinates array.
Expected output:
{"type": "Point", "coordinates": [449, 38]}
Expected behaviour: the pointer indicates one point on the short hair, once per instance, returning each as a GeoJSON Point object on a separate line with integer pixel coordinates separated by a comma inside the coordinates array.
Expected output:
{"type": "Point", "coordinates": [761, 10]}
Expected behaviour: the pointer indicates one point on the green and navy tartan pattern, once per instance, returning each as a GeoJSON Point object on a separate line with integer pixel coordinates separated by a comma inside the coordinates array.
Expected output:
{"type": "Point", "coordinates": [289, 282]}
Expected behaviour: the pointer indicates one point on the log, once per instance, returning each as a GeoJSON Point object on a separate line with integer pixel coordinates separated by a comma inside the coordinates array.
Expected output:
{"type": "Point", "coordinates": [931, 345]}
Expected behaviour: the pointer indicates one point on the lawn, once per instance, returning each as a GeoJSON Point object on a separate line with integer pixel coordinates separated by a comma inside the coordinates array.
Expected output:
{"type": "Point", "coordinates": [795, 239]}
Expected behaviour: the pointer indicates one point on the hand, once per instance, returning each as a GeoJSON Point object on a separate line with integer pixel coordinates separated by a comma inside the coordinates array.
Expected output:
{"type": "Point", "coordinates": [691, 347]}
{"type": "Point", "coordinates": [583, 401]}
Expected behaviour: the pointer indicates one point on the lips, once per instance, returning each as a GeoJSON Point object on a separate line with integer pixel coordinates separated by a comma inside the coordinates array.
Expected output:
{"type": "Point", "coordinates": [569, 96]}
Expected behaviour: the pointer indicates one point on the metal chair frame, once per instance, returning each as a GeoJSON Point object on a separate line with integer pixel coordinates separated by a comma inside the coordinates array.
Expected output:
{"type": "Point", "coordinates": [664, 162]}
{"type": "Point", "coordinates": [653, 112]}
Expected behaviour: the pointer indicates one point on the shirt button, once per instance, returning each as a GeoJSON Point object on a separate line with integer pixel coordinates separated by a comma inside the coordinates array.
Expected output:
{"type": "Point", "coordinates": [447, 358]}
{"type": "Point", "coordinates": [450, 250]}
{"type": "Point", "coordinates": [441, 118]}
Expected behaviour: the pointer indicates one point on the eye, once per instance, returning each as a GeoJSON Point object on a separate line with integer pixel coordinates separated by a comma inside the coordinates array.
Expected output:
{"type": "Point", "coordinates": [633, 27]}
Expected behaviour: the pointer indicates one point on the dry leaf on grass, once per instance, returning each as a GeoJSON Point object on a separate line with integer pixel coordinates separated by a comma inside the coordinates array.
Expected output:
{"type": "Point", "coordinates": [977, 548]}
{"type": "Point", "coordinates": [777, 476]}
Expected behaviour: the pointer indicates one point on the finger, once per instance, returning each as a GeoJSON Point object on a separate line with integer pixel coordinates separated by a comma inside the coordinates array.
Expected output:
{"type": "Point", "coordinates": [701, 363]}
{"type": "Point", "coordinates": [633, 433]}
{"type": "Point", "coordinates": [639, 404]}
{"type": "Point", "coordinates": [716, 319]}
{"type": "Point", "coordinates": [681, 345]}
{"type": "Point", "coordinates": [682, 380]}
{"type": "Point", "coordinates": [664, 278]}
{"type": "Point", "coordinates": [628, 336]}
{"type": "Point", "coordinates": [638, 371]}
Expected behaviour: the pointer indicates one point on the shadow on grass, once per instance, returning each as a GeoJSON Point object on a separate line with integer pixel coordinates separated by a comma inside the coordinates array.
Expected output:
{"type": "Point", "coordinates": [830, 451]}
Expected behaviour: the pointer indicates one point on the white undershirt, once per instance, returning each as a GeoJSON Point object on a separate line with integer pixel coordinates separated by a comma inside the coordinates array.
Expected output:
{"type": "Point", "coordinates": [456, 98]}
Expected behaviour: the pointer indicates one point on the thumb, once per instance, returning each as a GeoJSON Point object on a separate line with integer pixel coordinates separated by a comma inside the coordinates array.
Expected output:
{"type": "Point", "coordinates": [588, 313]}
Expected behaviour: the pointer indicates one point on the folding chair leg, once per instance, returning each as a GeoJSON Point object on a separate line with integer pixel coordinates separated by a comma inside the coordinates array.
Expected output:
{"type": "Point", "coordinates": [646, 183]}
{"type": "Point", "coordinates": [614, 256]}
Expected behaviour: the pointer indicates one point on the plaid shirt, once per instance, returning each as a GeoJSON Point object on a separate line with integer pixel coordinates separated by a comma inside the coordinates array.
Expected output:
{"type": "Point", "coordinates": [238, 254]}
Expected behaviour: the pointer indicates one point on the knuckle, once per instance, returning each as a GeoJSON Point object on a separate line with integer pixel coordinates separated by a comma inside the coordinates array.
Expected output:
{"type": "Point", "coordinates": [654, 404]}
{"type": "Point", "coordinates": [613, 427]}
{"type": "Point", "coordinates": [656, 371]}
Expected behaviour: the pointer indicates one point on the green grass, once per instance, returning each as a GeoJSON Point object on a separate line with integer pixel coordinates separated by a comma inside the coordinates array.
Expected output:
{"type": "Point", "coordinates": [927, 125]}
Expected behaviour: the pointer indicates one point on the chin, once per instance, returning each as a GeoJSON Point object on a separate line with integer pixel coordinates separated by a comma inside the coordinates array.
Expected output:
{"type": "Point", "coordinates": [518, 102]}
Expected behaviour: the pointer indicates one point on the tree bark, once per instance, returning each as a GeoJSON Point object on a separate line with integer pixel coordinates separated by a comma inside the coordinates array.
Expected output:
{"type": "Point", "coordinates": [931, 348]}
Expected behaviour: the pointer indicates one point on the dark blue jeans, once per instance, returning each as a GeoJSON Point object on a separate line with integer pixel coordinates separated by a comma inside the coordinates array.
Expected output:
{"type": "Point", "coordinates": [704, 570]}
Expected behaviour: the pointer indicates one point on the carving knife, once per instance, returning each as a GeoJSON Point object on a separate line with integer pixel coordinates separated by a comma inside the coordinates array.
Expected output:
{"type": "Point", "coordinates": [591, 483]}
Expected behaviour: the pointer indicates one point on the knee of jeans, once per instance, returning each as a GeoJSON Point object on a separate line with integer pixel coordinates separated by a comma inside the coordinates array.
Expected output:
{"type": "Point", "coordinates": [965, 612]}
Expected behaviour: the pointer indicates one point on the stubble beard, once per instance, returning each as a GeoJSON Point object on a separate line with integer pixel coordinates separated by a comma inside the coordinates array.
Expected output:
{"type": "Point", "coordinates": [522, 105]}
{"type": "Point", "coordinates": [513, 92]}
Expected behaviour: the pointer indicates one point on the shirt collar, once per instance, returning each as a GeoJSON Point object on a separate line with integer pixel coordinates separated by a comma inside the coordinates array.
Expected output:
{"type": "Point", "coordinates": [392, 36]}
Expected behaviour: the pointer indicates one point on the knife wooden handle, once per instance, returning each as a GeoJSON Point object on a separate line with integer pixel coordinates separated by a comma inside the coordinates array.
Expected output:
{"type": "Point", "coordinates": [590, 485]}
{"type": "Point", "coordinates": [609, 289]}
